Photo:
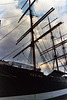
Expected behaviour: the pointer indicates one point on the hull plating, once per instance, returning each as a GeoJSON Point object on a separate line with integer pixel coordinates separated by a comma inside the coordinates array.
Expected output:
{"type": "Point", "coordinates": [17, 82]}
{"type": "Point", "coordinates": [41, 96]}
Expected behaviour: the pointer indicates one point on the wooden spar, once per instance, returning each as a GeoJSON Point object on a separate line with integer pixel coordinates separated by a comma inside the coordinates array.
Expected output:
{"type": "Point", "coordinates": [54, 59]}
{"type": "Point", "coordinates": [52, 38]}
{"type": "Point", "coordinates": [41, 19]}
{"type": "Point", "coordinates": [63, 47]}
{"type": "Point", "coordinates": [22, 50]}
{"type": "Point", "coordinates": [24, 4]}
{"type": "Point", "coordinates": [50, 23]}
{"type": "Point", "coordinates": [26, 11]}
{"type": "Point", "coordinates": [49, 31]}
{"type": "Point", "coordinates": [51, 48]}
{"type": "Point", "coordinates": [40, 37]}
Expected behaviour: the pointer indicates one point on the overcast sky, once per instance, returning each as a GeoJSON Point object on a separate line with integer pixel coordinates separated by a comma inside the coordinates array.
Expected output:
{"type": "Point", "coordinates": [10, 12]}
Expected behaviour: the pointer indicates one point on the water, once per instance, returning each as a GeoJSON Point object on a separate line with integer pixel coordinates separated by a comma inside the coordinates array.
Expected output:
{"type": "Point", "coordinates": [20, 98]}
{"type": "Point", "coordinates": [60, 98]}
{"type": "Point", "coordinates": [30, 98]}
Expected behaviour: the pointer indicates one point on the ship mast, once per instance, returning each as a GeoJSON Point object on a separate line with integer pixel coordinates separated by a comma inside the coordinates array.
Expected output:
{"type": "Point", "coordinates": [52, 38]}
{"type": "Point", "coordinates": [32, 44]}
{"type": "Point", "coordinates": [32, 35]}
{"type": "Point", "coordinates": [63, 47]}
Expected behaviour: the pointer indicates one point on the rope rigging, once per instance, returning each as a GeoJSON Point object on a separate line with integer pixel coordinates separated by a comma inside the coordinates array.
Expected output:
{"type": "Point", "coordinates": [15, 50]}
{"type": "Point", "coordinates": [8, 24]}
{"type": "Point", "coordinates": [39, 45]}
{"type": "Point", "coordinates": [11, 31]}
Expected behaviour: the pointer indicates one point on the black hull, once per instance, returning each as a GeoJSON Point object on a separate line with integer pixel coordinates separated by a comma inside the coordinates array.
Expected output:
{"type": "Point", "coordinates": [16, 81]}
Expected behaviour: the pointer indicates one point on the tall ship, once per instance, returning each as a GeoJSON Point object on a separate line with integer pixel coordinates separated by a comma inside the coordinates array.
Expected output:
{"type": "Point", "coordinates": [27, 81]}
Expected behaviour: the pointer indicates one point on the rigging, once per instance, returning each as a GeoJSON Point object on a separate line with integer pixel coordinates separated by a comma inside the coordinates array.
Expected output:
{"type": "Point", "coordinates": [24, 4]}
{"type": "Point", "coordinates": [11, 30]}
{"type": "Point", "coordinates": [7, 24]}
{"type": "Point", "coordinates": [41, 19]}
{"type": "Point", "coordinates": [40, 37]}
{"type": "Point", "coordinates": [26, 11]}
{"type": "Point", "coordinates": [15, 50]}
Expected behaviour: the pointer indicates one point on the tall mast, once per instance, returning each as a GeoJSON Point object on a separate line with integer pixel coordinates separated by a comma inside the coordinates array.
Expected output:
{"type": "Point", "coordinates": [32, 44]}
{"type": "Point", "coordinates": [52, 37]}
{"type": "Point", "coordinates": [63, 48]}
{"type": "Point", "coordinates": [32, 35]}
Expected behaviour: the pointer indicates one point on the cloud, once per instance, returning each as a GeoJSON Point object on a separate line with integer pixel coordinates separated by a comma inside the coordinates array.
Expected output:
{"type": "Point", "coordinates": [4, 5]}
{"type": "Point", "coordinates": [7, 45]}
{"type": "Point", "coordinates": [12, 14]}
{"type": "Point", "coordinates": [42, 5]}
{"type": "Point", "coordinates": [46, 68]}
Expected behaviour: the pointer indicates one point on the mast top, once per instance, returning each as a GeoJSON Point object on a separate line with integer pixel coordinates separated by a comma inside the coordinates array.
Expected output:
{"type": "Point", "coordinates": [26, 10]}
{"type": "Point", "coordinates": [40, 20]}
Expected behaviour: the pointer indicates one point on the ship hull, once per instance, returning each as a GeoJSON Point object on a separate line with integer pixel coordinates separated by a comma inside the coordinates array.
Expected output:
{"type": "Point", "coordinates": [22, 82]}
{"type": "Point", "coordinates": [40, 96]}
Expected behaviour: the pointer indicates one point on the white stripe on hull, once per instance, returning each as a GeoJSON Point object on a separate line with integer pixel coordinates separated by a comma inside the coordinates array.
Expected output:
{"type": "Point", "coordinates": [41, 96]}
